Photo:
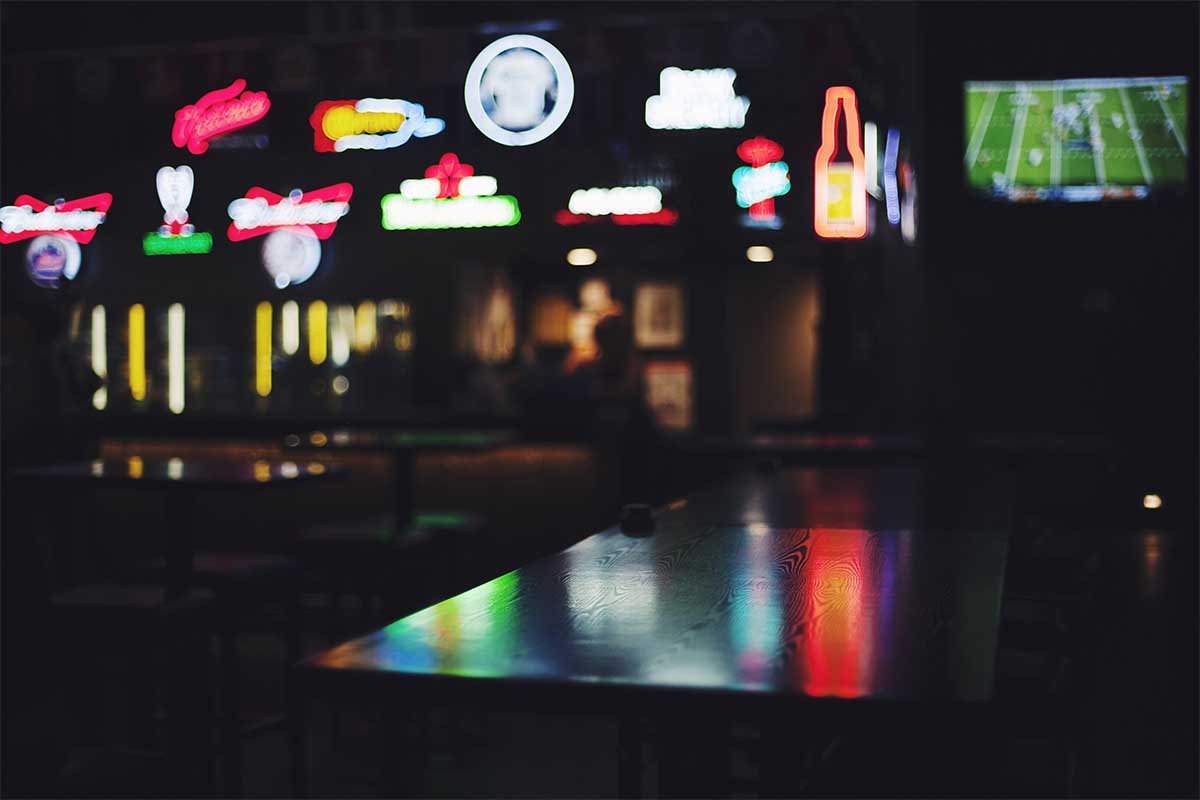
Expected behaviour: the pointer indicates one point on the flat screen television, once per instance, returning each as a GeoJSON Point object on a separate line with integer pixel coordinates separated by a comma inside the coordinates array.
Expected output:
{"type": "Point", "coordinates": [1089, 139]}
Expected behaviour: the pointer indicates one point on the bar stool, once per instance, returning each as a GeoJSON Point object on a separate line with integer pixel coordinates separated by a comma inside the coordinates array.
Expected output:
{"type": "Point", "coordinates": [134, 622]}
{"type": "Point", "coordinates": [241, 584]}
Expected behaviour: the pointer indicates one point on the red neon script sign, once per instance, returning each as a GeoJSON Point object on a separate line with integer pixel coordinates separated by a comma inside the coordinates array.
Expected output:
{"type": "Point", "coordinates": [840, 189]}
{"type": "Point", "coordinates": [30, 217]}
{"type": "Point", "coordinates": [217, 113]}
{"type": "Point", "coordinates": [262, 211]}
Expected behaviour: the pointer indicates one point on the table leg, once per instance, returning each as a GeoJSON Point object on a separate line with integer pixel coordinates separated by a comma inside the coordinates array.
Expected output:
{"type": "Point", "coordinates": [297, 733]}
{"type": "Point", "coordinates": [180, 547]}
{"type": "Point", "coordinates": [629, 756]}
{"type": "Point", "coordinates": [404, 470]}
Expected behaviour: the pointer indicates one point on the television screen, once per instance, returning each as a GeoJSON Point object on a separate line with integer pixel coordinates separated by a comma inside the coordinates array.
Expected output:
{"type": "Point", "coordinates": [1076, 140]}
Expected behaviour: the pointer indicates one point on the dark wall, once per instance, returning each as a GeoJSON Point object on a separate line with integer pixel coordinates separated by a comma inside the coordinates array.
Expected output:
{"type": "Point", "coordinates": [1065, 317]}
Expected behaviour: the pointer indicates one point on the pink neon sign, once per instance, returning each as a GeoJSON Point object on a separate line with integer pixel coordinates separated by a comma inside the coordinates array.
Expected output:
{"type": "Point", "coordinates": [262, 211]}
{"type": "Point", "coordinates": [217, 113]}
{"type": "Point", "coordinates": [77, 219]}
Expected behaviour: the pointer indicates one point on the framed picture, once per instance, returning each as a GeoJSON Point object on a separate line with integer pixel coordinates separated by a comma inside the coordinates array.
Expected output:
{"type": "Point", "coordinates": [667, 386]}
{"type": "Point", "coordinates": [658, 316]}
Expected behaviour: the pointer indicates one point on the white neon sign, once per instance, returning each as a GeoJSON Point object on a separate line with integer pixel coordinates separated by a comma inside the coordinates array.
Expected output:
{"type": "Point", "coordinates": [697, 98]}
{"type": "Point", "coordinates": [450, 195]}
{"type": "Point", "coordinates": [618, 200]}
{"type": "Point", "coordinates": [519, 90]}
{"type": "Point", "coordinates": [290, 255]}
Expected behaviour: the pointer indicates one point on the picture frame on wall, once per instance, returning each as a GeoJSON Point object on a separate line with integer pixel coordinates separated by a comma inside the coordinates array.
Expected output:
{"type": "Point", "coordinates": [658, 316]}
{"type": "Point", "coordinates": [667, 388]}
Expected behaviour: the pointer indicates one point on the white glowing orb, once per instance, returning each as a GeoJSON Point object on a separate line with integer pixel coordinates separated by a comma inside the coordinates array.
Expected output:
{"type": "Point", "coordinates": [581, 257]}
{"type": "Point", "coordinates": [51, 258]}
{"type": "Point", "coordinates": [519, 90]}
{"type": "Point", "coordinates": [291, 255]}
{"type": "Point", "coordinates": [760, 254]}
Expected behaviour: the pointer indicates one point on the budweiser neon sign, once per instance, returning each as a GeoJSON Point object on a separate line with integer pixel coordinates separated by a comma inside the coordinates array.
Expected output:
{"type": "Point", "coordinates": [217, 113]}
{"type": "Point", "coordinates": [369, 124]}
{"type": "Point", "coordinates": [262, 211]}
{"type": "Point", "coordinates": [76, 219]}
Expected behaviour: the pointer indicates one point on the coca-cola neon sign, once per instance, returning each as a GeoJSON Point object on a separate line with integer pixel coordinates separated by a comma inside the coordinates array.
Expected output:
{"type": "Point", "coordinates": [217, 113]}
{"type": "Point", "coordinates": [262, 211]}
{"type": "Point", "coordinates": [76, 219]}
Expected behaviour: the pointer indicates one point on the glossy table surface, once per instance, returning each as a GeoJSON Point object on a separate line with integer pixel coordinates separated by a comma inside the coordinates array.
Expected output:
{"type": "Point", "coordinates": [710, 602]}
{"type": "Point", "coordinates": [136, 471]}
{"type": "Point", "coordinates": [399, 439]}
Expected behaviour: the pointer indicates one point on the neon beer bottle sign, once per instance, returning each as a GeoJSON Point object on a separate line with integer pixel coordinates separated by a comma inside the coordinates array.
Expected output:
{"type": "Point", "coordinates": [840, 207]}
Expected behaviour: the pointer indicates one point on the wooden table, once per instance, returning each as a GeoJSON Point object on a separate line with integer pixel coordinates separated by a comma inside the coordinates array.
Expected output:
{"type": "Point", "coordinates": [404, 444]}
{"type": "Point", "coordinates": [706, 612]}
{"type": "Point", "coordinates": [180, 479]}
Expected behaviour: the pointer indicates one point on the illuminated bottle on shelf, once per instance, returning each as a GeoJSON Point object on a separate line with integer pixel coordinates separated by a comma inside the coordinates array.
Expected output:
{"type": "Point", "coordinates": [840, 208]}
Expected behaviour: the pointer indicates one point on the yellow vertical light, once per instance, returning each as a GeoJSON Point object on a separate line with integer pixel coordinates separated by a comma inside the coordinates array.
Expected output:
{"type": "Point", "coordinates": [318, 324]}
{"type": "Point", "coordinates": [100, 356]}
{"type": "Point", "coordinates": [175, 359]}
{"type": "Point", "coordinates": [341, 334]}
{"type": "Point", "coordinates": [262, 349]}
{"type": "Point", "coordinates": [137, 351]}
{"type": "Point", "coordinates": [364, 327]}
{"type": "Point", "coordinates": [289, 318]}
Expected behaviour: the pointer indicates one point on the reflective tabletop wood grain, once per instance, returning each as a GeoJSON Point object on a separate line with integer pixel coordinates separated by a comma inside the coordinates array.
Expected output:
{"type": "Point", "coordinates": [748, 607]}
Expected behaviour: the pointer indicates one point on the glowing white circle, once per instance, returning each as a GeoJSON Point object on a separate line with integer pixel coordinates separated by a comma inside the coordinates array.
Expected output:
{"type": "Point", "coordinates": [474, 94]}
{"type": "Point", "coordinates": [51, 257]}
{"type": "Point", "coordinates": [291, 255]}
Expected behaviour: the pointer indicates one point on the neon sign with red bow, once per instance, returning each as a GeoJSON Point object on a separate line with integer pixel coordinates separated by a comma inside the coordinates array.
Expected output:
{"type": "Point", "coordinates": [262, 211]}
{"type": "Point", "coordinates": [217, 113]}
{"type": "Point", "coordinates": [75, 219]}
{"type": "Point", "coordinates": [450, 195]}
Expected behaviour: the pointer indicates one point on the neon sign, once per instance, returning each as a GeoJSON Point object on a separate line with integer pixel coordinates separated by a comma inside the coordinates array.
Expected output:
{"type": "Point", "coordinates": [450, 195]}
{"type": "Point", "coordinates": [624, 205]}
{"type": "Point", "coordinates": [369, 124]}
{"type": "Point", "coordinates": [293, 225]}
{"type": "Point", "coordinates": [697, 98]}
{"type": "Point", "coordinates": [760, 183]}
{"type": "Point", "coordinates": [840, 207]}
{"type": "Point", "coordinates": [50, 258]}
{"type": "Point", "coordinates": [175, 236]}
{"type": "Point", "coordinates": [891, 194]}
{"type": "Point", "coordinates": [217, 113]}
{"type": "Point", "coordinates": [519, 90]}
{"type": "Point", "coordinates": [261, 212]}
{"type": "Point", "coordinates": [290, 255]}
{"type": "Point", "coordinates": [76, 219]}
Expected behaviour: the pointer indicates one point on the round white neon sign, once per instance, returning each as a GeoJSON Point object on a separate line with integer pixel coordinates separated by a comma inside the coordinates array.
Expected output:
{"type": "Point", "coordinates": [519, 90]}
{"type": "Point", "coordinates": [50, 258]}
{"type": "Point", "coordinates": [291, 255]}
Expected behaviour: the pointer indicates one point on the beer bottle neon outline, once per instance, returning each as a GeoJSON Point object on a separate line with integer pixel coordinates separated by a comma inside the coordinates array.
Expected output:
{"type": "Point", "coordinates": [840, 189]}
